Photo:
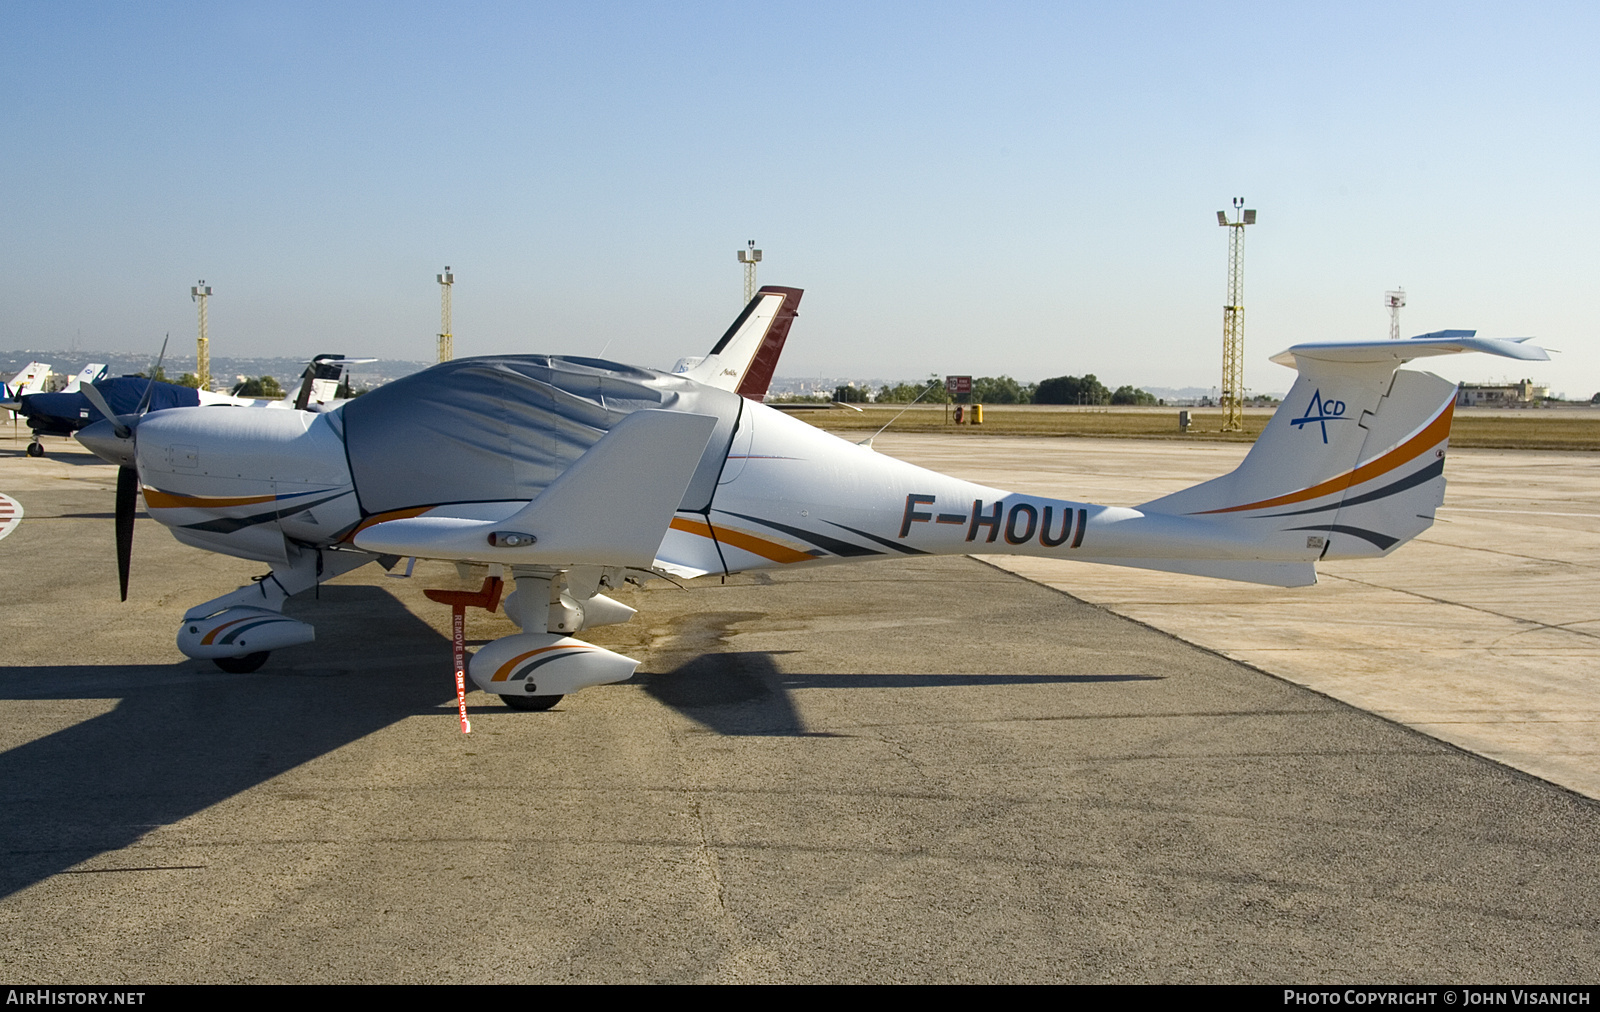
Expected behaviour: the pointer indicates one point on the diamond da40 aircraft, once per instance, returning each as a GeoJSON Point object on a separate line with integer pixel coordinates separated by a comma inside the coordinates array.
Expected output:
{"type": "Point", "coordinates": [573, 474]}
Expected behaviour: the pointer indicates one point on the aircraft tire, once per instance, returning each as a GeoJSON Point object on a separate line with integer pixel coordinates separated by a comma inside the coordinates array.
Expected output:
{"type": "Point", "coordinates": [242, 665]}
{"type": "Point", "coordinates": [35, 450]}
{"type": "Point", "coordinates": [530, 702]}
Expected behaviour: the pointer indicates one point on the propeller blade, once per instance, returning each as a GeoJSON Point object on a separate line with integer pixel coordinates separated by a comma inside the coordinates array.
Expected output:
{"type": "Point", "coordinates": [150, 387]}
{"type": "Point", "coordinates": [98, 399]}
{"type": "Point", "coordinates": [127, 502]}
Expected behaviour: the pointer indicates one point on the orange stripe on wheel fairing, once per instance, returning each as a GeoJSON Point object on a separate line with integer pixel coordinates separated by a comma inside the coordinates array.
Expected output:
{"type": "Point", "coordinates": [738, 539]}
{"type": "Point", "coordinates": [212, 635]}
{"type": "Point", "coordinates": [1434, 433]}
{"type": "Point", "coordinates": [508, 666]}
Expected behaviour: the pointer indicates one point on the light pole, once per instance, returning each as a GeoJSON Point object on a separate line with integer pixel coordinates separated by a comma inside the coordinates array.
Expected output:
{"type": "Point", "coordinates": [1232, 398]}
{"type": "Point", "coordinates": [749, 256]}
{"type": "Point", "coordinates": [1394, 300]}
{"type": "Point", "coordinates": [447, 341]}
{"type": "Point", "coordinates": [200, 293]}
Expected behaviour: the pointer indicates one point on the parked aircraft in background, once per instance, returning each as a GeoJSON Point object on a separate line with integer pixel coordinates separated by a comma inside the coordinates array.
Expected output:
{"type": "Point", "coordinates": [30, 380]}
{"type": "Point", "coordinates": [572, 475]}
{"type": "Point", "coordinates": [91, 373]}
{"type": "Point", "coordinates": [63, 413]}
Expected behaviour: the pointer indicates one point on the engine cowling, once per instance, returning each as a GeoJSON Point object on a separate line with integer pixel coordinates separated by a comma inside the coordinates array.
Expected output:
{"type": "Point", "coordinates": [545, 664]}
{"type": "Point", "coordinates": [235, 632]}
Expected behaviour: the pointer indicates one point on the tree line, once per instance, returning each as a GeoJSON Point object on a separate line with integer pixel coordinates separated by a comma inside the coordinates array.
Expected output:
{"type": "Point", "coordinates": [1002, 390]}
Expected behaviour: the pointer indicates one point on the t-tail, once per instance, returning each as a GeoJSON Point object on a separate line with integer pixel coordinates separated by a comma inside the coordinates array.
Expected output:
{"type": "Point", "coordinates": [1351, 464]}
{"type": "Point", "coordinates": [744, 359]}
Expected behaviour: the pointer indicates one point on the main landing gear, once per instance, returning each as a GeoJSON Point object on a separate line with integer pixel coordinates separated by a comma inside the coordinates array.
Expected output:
{"type": "Point", "coordinates": [35, 450]}
{"type": "Point", "coordinates": [530, 702]}
{"type": "Point", "coordinates": [242, 665]}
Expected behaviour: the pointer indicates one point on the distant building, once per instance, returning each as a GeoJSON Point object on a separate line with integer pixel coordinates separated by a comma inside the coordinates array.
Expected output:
{"type": "Point", "coordinates": [1501, 395]}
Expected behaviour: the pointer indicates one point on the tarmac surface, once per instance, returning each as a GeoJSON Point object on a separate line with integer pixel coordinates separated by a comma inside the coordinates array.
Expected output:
{"type": "Point", "coordinates": [1484, 631]}
{"type": "Point", "coordinates": [923, 771]}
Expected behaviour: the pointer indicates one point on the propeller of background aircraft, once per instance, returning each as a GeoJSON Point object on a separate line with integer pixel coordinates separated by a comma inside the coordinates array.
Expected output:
{"type": "Point", "coordinates": [122, 445]}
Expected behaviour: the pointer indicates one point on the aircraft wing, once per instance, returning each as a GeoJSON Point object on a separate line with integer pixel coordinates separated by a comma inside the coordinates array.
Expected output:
{"type": "Point", "coordinates": [610, 508]}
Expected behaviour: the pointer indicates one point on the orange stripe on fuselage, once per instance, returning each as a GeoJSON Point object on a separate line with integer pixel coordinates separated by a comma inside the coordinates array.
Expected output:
{"type": "Point", "coordinates": [1434, 433]}
{"type": "Point", "coordinates": [378, 518]}
{"type": "Point", "coordinates": [738, 539]}
{"type": "Point", "coordinates": [157, 499]}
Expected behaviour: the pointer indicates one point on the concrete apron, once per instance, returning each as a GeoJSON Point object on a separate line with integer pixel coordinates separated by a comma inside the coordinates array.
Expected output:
{"type": "Point", "coordinates": [1484, 632]}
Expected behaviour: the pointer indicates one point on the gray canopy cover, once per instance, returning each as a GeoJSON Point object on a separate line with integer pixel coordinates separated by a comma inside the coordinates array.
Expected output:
{"type": "Point", "coordinates": [502, 428]}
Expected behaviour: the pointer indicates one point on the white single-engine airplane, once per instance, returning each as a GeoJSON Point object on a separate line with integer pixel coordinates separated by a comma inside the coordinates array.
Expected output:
{"type": "Point", "coordinates": [573, 474]}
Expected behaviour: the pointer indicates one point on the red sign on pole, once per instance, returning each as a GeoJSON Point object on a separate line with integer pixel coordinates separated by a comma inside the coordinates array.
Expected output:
{"type": "Point", "coordinates": [958, 384]}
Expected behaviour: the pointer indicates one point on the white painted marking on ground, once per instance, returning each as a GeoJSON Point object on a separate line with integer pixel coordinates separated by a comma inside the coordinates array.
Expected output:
{"type": "Point", "coordinates": [10, 514]}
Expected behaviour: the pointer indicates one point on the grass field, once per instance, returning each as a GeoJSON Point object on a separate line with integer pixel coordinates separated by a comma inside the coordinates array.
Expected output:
{"type": "Point", "coordinates": [1533, 429]}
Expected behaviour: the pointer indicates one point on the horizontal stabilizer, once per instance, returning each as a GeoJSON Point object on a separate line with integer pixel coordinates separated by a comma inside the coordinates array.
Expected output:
{"type": "Point", "coordinates": [610, 508]}
{"type": "Point", "coordinates": [1440, 342]}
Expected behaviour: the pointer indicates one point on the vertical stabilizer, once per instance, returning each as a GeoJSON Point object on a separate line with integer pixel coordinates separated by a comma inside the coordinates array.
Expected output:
{"type": "Point", "coordinates": [90, 374]}
{"type": "Point", "coordinates": [744, 360]}
{"type": "Point", "coordinates": [1353, 460]}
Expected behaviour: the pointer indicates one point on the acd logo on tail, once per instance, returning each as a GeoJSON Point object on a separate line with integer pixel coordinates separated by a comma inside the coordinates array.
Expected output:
{"type": "Point", "coordinates": [1321, 412]}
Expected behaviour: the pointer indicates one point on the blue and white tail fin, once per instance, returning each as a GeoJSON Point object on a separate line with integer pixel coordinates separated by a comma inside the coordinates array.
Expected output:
{"type": "Point", "coordinates": [1352, 463]}
{"type": "Point", "coordinates": [90, 374]}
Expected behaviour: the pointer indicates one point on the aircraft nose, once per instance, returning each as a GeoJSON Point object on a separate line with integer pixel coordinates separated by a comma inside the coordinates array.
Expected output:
{"type": "Point", "coordinates": [101, 439]}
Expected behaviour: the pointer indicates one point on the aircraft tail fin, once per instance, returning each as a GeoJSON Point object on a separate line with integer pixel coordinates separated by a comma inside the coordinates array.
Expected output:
{"type": "Point", "coordinates": [30, 380]}
{"type": "Point", "coordinates": [1352, 463]}
{"type": "Point", "coordinates": [90, 374]}
{"type": "Point", "coordinates": [744, 360]}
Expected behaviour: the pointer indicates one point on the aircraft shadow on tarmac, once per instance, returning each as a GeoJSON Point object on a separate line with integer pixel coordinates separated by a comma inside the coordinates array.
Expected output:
{"type": "Point", "coordinates": [744, 694]}
{"type": "Point", "coordinates": [184, 737]}
{"type": "Point", "coordinates": [76, 456]}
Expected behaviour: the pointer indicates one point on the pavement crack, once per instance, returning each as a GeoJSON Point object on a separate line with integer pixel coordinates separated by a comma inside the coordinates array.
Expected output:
{"type": "Point", "coordinates": [1535, 623]}
{"type": "Point", "coordinates": [709, 856]}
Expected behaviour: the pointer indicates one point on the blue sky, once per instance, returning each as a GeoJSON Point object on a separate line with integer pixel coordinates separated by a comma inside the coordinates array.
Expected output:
{"type": "Point", "coordinates": [1019, 189]}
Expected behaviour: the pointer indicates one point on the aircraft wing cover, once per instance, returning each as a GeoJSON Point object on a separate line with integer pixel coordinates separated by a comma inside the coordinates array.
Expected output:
{"type": "Point", "coordinates": [502, 429]}
{"type": "Point", "coordinates": [610, 508]}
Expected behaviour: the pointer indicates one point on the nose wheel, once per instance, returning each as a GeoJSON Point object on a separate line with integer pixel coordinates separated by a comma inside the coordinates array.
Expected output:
{"type": "Point", "coordinates": [35, 450]}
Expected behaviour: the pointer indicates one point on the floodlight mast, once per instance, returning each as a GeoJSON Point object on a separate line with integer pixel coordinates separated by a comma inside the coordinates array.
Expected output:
{"type": "Point", "coordinates": [447, 341]}
{"type": "Point", "coordinates": [1232, 396]}
{"type": "Point", "coordinates": [1394, 300]}
{"type": "Point", "coordinates": [200, 292]}
{"type": "Point", "coordinates": [749, 256]}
